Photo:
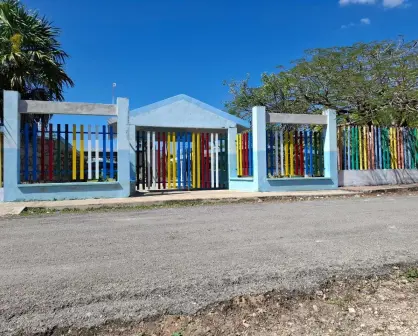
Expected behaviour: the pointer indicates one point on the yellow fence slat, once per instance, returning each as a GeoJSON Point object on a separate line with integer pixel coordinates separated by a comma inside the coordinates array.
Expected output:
{"type": "Point", "coordinates": [82, 152]}
{"type": "Point", "coordinates": [174, 161]}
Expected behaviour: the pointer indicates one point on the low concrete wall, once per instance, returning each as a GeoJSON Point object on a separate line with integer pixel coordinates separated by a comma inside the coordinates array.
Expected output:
{"type": "Point", "coordinates": [298, 184]}
{"type": "Point", "coordinates": [282, 184]}
{"type": "Point", "coordinates": [63, 191]}
{"type": "Point", "coordinates": [242, 184]}
{"type": "Point", "coordinates": [353, 178]}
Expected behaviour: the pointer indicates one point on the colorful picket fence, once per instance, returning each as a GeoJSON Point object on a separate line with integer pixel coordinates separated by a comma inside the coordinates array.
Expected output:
{"type": "Point", "coordinates": [289, 153]}
{"type": "Point", "coordinates": [181, 160]}
{"type": "Point", "coordinates": [370, 147]}
{"type": "Point", "coordinates": [53, 153]}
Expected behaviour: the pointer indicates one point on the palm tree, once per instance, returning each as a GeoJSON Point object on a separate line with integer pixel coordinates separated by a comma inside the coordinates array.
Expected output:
{"type": "Point", "coordinates": [31, 58]}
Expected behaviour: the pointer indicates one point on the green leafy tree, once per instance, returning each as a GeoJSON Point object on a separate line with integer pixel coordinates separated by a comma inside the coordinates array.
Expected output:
{"type": "Point", "coordinates": [365, 83]}
{"type": "Point", "coordinates": [31, 58]}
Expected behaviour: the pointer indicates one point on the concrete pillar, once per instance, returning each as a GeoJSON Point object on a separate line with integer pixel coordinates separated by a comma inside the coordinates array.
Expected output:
{"type": "Point", "coordinates": [11, 128]}
{"type": "Point", "coordinates": [232, 152]}
{"type": "Point", "coordinates": [330, 147]}
{"type": "Point", "coordinates": [126, 148]}
{"type": "Point", "coordinates": [259, 146]}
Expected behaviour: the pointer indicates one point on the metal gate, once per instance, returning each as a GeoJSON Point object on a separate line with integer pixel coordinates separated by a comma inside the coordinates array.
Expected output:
{"type": "Point", "coordinates": [181, 160]}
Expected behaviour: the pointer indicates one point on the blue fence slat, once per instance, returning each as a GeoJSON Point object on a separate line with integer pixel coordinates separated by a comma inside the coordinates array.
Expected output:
{"type": "Point", "coordinates": [184, 160]}
{"type": "Point", "coordinates": [271, 153]}
{"type": "Point", "coordinates": [104, 154]}
{"type": "Point", "coordinates": [267, 152]}
{"type": "Point", "coordinates": [112, 174]}
{"type": "Point", "coordinates": [250, 156]}
{"type": "Point", "coordinates": [178, 160]}
{"type": "Point", "coordinates": [34, 151]}
{"type": "Point", "coordinates": [305, 136]}
{"type": "Point", "coordinates": [310, 153]}
{"type": "Point", "coordinates": [189, 159]}
{"type": "Point", "coordinates": [26, 162]}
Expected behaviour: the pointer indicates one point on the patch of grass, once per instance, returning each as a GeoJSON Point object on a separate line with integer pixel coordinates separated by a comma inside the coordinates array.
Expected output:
{"type": "Point", "coordinates": [177, 204]}
{"type": "Point", "coordinates": [342, 302]}
{"type": "Point", "coordinates": [412, 273]}
{"type": "Point", "coordinates": [177, 333]}
{"type": "Point", "coordinates": [112, 208]}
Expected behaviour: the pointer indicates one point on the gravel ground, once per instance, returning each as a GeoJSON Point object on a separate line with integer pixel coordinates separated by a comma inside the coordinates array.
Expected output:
{"type": "Point", "coordinates": [376, 305]}
{"type": "Point", "coordinates": [82, 270]}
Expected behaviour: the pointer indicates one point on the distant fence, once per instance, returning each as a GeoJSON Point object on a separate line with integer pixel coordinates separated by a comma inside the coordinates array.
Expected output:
{"type": "Point", "coordinates": [60, 153]}
{"type": "Point", "coordinates": [289, 153]}
{"type": "Point", "coordinates": [181, 160]}
{"type": "Point", "coordinates": [369, 148]}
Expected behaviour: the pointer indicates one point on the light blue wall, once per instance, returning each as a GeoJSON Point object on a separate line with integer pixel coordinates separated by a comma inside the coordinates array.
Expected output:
{"type": "Point", "coordinates": [243, 184]}
{"type": "Point", "coordinates": [11, 144]}
{"type": "Point", "coordinates": [63, 191]}
{"type": "Point", "coordinates": [259, 147]}
{"type": "Point", "coordinates": [331, 148]}
{"type": "Point", "coordinates": [260, 182]}
{"type": "Point", "coordinates": [126, 148]}
{"type": "Point", "coordinates": [232, 152]}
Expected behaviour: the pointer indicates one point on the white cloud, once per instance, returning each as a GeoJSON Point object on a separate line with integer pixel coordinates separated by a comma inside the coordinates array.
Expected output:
{"type": "Point", "coordinates": [359, 2]}
{"type": "Point", "coordinates": [385, 3]}
{"type": "Point", "coordinates": [347, 25]}
{"type": "Point", "coordinates": [363, 22]}
{"type": "Point", "coordinates": [393, 3]}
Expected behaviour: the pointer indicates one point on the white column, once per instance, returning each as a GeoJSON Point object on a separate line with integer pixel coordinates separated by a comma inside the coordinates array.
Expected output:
{"type": "Point", "coordinates": [11, 162]}
{"type": "Point", "coordinates": [212, 162]}
{"type": "Point", "coordinates": [89, 172]}
{"type": "Point", "coordinates": [154, 170]}
{"type": "Point", "coordinates": [259, 143]}
{"type": "Point", "coordinates": [330, 148]}
{"type": "Point", "coordinates": [232, 153]}
{"type": "Point", "coordinates": [217, 160]}
{"type": "Point", "coordinates": [148, 158]}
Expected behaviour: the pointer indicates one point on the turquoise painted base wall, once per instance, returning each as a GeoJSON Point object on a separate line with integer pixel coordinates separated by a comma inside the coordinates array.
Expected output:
{"type": "Point", "coordinates": [283, 184]}
{"type": "Point", "coordinates": [66, 191]}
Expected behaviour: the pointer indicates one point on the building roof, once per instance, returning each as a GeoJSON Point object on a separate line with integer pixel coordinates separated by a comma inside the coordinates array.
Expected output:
{"type": "Point", "coordinates": [182, 111]}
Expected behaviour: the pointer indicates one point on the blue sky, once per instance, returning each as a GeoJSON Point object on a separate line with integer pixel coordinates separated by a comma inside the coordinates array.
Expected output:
{"type": "Point", "coordinates": [159, 48]}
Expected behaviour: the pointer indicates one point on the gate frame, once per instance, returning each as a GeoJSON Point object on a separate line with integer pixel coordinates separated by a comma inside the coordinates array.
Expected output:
{"type": "Point", "coordinates": [156, 129]}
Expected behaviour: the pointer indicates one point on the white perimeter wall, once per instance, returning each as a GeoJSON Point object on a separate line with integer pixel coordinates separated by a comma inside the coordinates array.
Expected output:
{"type": "Point", "coordinates": [348, 178]}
